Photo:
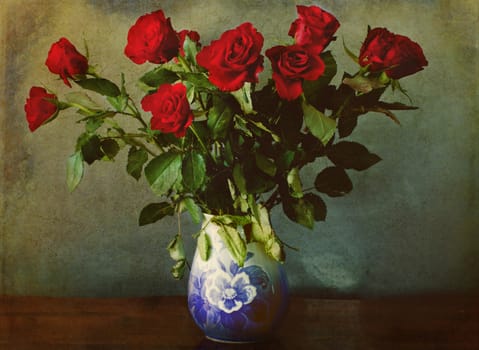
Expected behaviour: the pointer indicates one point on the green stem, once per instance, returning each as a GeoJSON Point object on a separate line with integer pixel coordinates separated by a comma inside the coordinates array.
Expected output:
{"type": "Point", "coordinates": [185, 64]}
{"type": "Point", "coordinates": [203, 146]}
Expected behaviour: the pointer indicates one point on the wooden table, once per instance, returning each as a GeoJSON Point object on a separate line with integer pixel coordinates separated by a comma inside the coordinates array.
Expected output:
{"type": "Point", "coordinates": [420, 323]}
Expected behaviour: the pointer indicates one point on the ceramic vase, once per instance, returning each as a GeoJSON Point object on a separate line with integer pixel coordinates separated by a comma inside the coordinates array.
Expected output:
{"type": "Point", "coordinates": [232, 303]}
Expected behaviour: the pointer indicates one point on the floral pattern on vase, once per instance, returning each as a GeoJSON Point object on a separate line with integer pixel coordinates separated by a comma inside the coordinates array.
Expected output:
{"type": "Point", "coordinates": [236, 303]}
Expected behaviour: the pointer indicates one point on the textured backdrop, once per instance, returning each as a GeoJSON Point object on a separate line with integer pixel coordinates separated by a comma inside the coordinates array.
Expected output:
{"type": "Point", "coordinates": [410, 225]}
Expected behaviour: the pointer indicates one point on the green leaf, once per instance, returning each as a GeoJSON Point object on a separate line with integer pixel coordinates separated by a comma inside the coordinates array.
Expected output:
{"type": "Point", "coordinates": [176, 248]}
{"type": "Point", "coordinates": [159, 76]}
{"type": "Point", "coordinates": [300, 211]}
{"type": "Point", "coordinates": [162, 172]}
{"type": "Point", "coordinates": [193, 209]}
{"type": "Point", "coordinates": [243, 96]}
{"type": "Point", "coordinates": [234, 243]}
{"type": "Point", "coordinates": [204, 245]}
{"type": "Point", "coordinates": [319, 125]}
{"type": "Point", "coordinates": [193, 171]}
{"type": "Point", "coordinates": [102, 86]}
{"type": "Point", "coordinates": [238, 177]}
{"type": "Point", "coordinates": [119, 102]}
{"type": "Point", "coordinates": [265, 164]}
{"type": "Point", "coordinates": [178, 270]}
{"type": "Point", "coordinates": [74, 170]}
{"type": "Point", "coordinates": [91, 149]}
{"type": "Point", "coordinates": [294, 182]}
{"type": "Point", "coordinates": [334, 182]}
{"type": "Point", "coordinates": [219, 119]}
{"type": "Point", "coordinates": [352, 155]}
{"type": "Point", "coordinates": [199, 80]}
{"type": "Point", "coordinates": [82, 99]}
{"type": "Point", "coordinates": [274, 249]}
{"type": "Point", "coordinates": [190, 49]}
{"type": "Point", "coordinates": [93, 123]}
{"type": "Point", "coordinates": [137, 157]}
{"type": "Point", "coordinates": [110, 148]}
{"type": "Point", "coordinates": [154, 212]}
{"type": "Point", "coordinates": [319, 206]}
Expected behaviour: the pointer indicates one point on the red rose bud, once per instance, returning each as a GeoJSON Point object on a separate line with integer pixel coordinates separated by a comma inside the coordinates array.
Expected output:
{"type": "Point", "coordinates": [170, 108]}
{"type": "Point", "coordinates": [314, 28]}
{"type": "Point", "coordinates": [153, 39]}
{"type": "Point", "coordinates": [396, 55]}
{"type": "Point", "coordinates": [291, 65]}
{"type": "Point", "coordinates": [193, 35]}
{"type": "Point", "coordinates": [233, 59]}
{"type": "Point", "coordinates": [64, 59]}
{"type": "Point", "coordinates": [38, 108]}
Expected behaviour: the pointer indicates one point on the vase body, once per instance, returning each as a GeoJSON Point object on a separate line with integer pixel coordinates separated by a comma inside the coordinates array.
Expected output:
{"type": "Point", "coordinates": [232, 303]}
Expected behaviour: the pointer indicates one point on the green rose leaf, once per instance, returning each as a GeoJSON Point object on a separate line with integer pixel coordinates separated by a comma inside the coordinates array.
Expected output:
{"type": "Point", "coordinates": [294, 182]}
{"type": "Point", "coordinates": [193, 171]}
{"type": "Point", "coordinates": [199, 80]}
{"type": "Point", "coordinates": [300, 211]}
{"type": "Point", "coordinates": [110, 148]}
{"type": "Point", "coordinates": [274, 249]}
{"type": "Point", "coordinates": [265, 164]}
{"type": "Point", "coordinates": [162, 172]}
{"type": "Point", "coordinates": [220, 117]}
{"type": "Point", "coordinates": [193, 209]}
{"type": "Point", "coordinates": [178, 269]}
{"type": "Point", "coordinates": [102, 86]}
{"type": "Point", "coordinates": [74, 170]}
{"type": "Point", "coordinates": [137, 157]}
{"type": "Point", "coordinates": [319, 207]}
{"type": "Point", "coordinates": [190, 49]}
{"type": "Point", "coordinates": [93, 123]}
{"type": "Point", "coordinates": [80, 99]}
{"type": "Point", "coordinates": [154, 212]}
{"type": "Point", "coordinates": [334, 182]}
{"type": "Point", "coordinates": [243, 96]}
{"type": "Point", "coordinates": [233, 242]}
{"type": "Point", "coordinates": [352, 155]}
{"type": "Point", "coordinates": [176, 248]}
{"type": "Point", "coordinates": [320, 126]}
{"type": "Point", "coordinates": [158, 76]}
{"type": "Point", "coordinates": [90, 146]}
{"type": "Point", "coordinates": [204, 245]}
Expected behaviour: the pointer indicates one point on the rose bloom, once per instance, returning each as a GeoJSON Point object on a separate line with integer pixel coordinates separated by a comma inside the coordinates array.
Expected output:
{"type": "Point", "coordinates": [233, 59]}
{"type": "Point", "coordinates": [170, 108]}
{"type": "Point", "coordinates": [397, 55]}
{"type": "Point", "coordinates": [193, 35]}
{"type": "Point", "coordinates": [291, 65]}
{"type": "Point", "coordinates": [38, 108]}
{"type": "Point", "coordinates": [314, 28]}
{"type": "Point", "coordinates": [64, 59]}
{"type": "Point", "coordinates": [152, 38]}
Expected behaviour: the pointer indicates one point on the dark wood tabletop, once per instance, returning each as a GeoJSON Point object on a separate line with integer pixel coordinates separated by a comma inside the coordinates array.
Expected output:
{"type": "Point", "coordinates": [422, 323]}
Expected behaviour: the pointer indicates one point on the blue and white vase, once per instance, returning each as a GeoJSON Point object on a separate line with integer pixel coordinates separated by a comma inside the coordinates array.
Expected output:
{"type": "Point", "coordinates": [236, 304]}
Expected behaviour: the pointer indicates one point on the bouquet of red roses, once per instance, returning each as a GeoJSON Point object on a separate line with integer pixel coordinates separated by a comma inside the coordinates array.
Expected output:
{"type": "Point", "coordinates": [210, 139]}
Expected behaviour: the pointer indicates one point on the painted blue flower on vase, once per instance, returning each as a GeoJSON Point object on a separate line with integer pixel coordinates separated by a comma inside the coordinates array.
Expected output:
{"type": "Point", "coordinates": [232, 299]}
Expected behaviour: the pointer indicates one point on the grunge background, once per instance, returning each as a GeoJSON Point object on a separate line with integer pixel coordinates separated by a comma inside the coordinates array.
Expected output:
{"type": "Point", "coordinates": [409, 226]}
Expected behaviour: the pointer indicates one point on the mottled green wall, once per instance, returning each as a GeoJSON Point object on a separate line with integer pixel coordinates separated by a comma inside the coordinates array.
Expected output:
{"type": "Point", "coordinates": [410, 226]}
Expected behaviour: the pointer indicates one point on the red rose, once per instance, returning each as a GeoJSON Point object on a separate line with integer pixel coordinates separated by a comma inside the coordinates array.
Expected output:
{"type": "Point", "coordinates": [233, 59]}
{"type": "Point", "coordinates": [38, 108]}
{"type": "Point", "coordinates": [152, 38]}
{"type": "Point", "coordinates": [291, 65]}
{"type": "Point", "coordinates": [397, 55]}
{"type": "Point", "coordinates": [314, 28]}
{"type": "Point", "coordinates": [170, 108]}
{"type": "Point", "coordinates": [193, 35]}
{"type": "Point", "coordinates": [64, 59]}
